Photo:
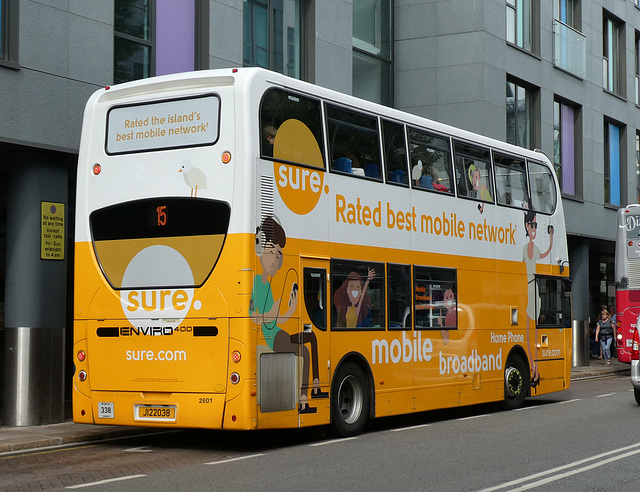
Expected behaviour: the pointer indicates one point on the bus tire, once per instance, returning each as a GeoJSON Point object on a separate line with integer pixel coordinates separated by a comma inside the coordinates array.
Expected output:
{"type": "Point", "coordinates": [516, 382]}
{"type": "Point", "coordinates": [636, 393]}
{"type": "Point", "coordinates": [349, 400]}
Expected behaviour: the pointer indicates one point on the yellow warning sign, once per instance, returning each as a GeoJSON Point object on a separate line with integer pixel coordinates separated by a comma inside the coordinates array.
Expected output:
{"type": "Point", "coordinates": [52, 231]}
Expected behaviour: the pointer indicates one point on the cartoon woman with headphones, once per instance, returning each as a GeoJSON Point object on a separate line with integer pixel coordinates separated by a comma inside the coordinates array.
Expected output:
{"type": "Point", "coordinates": [266, 311]}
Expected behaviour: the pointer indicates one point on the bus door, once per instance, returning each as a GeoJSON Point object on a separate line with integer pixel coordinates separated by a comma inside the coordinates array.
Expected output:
{"type": "Point", "coordinates": [314, 339]}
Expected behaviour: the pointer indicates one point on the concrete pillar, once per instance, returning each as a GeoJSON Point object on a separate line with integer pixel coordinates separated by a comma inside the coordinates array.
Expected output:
{"type": "Point", "coordinates": [579, 268]}
{"type": "Point", "coordinates": [35, 295]}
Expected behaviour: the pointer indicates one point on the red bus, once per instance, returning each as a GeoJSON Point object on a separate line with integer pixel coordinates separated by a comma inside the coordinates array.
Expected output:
{"type": "Point", "coordinates": [627, 279]}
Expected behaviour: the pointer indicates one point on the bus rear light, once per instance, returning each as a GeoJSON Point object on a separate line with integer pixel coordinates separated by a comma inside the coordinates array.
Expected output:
{"type": "Point", "coordinates": [82, 376]}
{"type": "Point", "coordinates": [97, 169]}
{"type": "Point", "coordinates": [635, 346]}
{"type": "Point", "coordinates": [81, 355]}
{"type": "Point", "coordinates": [235, 378]}
{"type": "Point", "coordinates": [226, 157]}
{"type": "Point", "coordinates": [236, 357]}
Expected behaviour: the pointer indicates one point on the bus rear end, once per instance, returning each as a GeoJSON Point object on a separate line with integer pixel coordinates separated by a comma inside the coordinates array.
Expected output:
{"type": "Point", "coordinates": [154, 256]}
{"type": "Point", "coordinates": [627, 265]}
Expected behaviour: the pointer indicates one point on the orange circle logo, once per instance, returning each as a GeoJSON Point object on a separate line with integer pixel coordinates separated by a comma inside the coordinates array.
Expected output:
{"type": "Point", "coordinates": [299, 187]}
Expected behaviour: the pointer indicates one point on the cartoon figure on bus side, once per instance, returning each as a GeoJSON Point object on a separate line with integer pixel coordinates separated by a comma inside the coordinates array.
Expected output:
{"type": "Point", "coordinates": [530, 256]}
{"type": "Point", "coordinates": [479, 190]}
{"type": "Point", "coordinates": [352, 301]}
{"type": "Point", "coordinates": [268, 312]}
{"type": "Point", "coordinates": [194, 178]}
{"type": "Point", "coordinates": [450, 318]}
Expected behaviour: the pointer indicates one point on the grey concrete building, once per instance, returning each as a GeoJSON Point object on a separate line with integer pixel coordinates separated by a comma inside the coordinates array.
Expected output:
{"type": "Point", "coordinates": [558, 75]}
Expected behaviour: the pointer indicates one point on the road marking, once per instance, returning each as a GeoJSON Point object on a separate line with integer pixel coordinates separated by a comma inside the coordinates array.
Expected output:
{"type": "Point", "coordinates": [139, 449]}
{"type": "Point", "coordinates": [101, 482]}
{"type": "Point", "coordinates": [333, 441]}
{"type": "Point", "coordinates": [602, 396]}
{"type": "Point", "coordinates": [525, 408]}
{"type": "Point", "coordinates": [410, 428]}
{"type": "Point", "coordinates": [570, 401]}
{"type": "Point", "coordinates": [630, 451]}
{"type": "Point", "coordinates": [230, 460]}
{"type": "Point", "coordinates": [474, 417]}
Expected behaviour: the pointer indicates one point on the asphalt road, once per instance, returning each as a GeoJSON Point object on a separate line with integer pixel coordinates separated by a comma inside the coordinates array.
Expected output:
{"type": "Point", "coordinates": [583, 439]}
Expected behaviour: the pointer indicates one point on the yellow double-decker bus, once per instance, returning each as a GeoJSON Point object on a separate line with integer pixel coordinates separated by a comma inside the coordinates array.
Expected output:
{"type": "Point", "coordinates": [253, 251]}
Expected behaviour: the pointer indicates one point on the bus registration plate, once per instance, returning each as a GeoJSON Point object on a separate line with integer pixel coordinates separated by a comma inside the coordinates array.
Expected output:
{"type": "Point", "coordinates": [165, 413]}
{"type": "Point", "coordinates": [105, 410]}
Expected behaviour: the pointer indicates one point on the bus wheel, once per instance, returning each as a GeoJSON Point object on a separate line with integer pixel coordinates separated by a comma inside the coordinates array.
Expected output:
{"type": "Point", "coordinates": [516, 383]}
{"type": "Point", "coordinates": [349, 400]}
{"type": "Point", "coordinates": [636, 393]}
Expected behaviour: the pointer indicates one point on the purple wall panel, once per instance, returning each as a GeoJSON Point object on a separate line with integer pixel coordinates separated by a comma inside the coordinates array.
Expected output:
{"type": "Point", "coordinates": [175, 36]}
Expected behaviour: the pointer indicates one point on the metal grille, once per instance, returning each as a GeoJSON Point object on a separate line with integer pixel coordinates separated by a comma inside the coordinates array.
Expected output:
{"type": "Point", "coordinates": [266, 197]}
{"type": "Point", "coordinates": [278, 382]}
{"type": "Point", "coordinates": [634, 273]}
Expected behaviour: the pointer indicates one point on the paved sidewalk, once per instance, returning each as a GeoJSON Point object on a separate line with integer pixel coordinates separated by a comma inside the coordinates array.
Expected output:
{"type": "Point", "coordinates": [42, 437]}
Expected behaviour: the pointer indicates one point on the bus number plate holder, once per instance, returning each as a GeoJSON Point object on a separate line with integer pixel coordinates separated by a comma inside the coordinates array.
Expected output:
{"type": "Point", "coordinates": [155, 413]}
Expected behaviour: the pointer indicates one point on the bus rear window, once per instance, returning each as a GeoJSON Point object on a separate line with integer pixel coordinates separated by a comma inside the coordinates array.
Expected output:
{"type": "Point", "coordinates": [291, 128]}
{"type": "Point", "coordinates": [173, 124]}
{"type": "Point", "coordinates": [159, 242]}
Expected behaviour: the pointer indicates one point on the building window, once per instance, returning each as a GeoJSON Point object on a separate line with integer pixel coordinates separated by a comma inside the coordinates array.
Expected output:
{"type": "Point", "coordinates": [637, 64]}
{"type": "Point", "coordinates": [133, 40]}
{"type": "Point", "coordinates": [569, 12]}
{"type": "Point", "coordinates": [372, 39]}
{"type": "Point", "coordinates": [273, 35]}
{"type": "Point", "coordinates": [565, 154]}
{"type": "Point", "coordinates": [521, 23]}
{"type": "Point", "coordinates": [612, 51]}
{"type": "Point", "coordinates": [637, 167]}
{"type": "Point", "coordinates": [613, 164]}
{"type": "Point", "coordinates": [520, 114]}
{"type": "Point", "coordinates": [9, 32]}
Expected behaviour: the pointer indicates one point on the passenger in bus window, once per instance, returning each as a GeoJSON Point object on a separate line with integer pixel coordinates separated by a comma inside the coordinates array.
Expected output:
{"type": "Point", "coordinates": [530, 255]}
{"type": "Point", "coordinates": [352, 300]}
{"type": "Point", "coordinates": [266, 311]}
{"type": "Point", "coordinates": [356, 163]}
{"type": "Point", "coordinates": [269, 135]}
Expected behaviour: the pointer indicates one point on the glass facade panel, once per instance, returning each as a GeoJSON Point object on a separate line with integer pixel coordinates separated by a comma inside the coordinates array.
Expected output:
{"type": "Point", "coordinates": [132, 60]}
{"type": "Point", "coordinates": [372, 39]}
{"type": "Point", "coordinates": [133, 40]}
{"type": "Point", "coordinates": [133, 17]}
{"type": "Point", "coordinates": [272, 36]}
{"type": "Point", "coordinates": [612, 62]}
{"type": "Point", "coordinates": [637, 168]}
{"type": "Point", "coordinates": [520, 23]}
{"type": "Point", "coordinates": [519, 115]}
{"type": "Point", "coordinates": [371, 78]}
{"type": "Point", "coordinates": [2, 29]}
{"type": "Point", "coordinates": [612, 185]}
{"type": "Point", "coordinates": [564, 146]}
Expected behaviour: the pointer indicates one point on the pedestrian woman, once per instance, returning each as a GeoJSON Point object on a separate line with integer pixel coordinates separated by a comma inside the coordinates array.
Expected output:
{"type": "Point", "coordinates": [604, 334]}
